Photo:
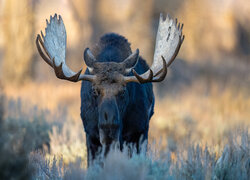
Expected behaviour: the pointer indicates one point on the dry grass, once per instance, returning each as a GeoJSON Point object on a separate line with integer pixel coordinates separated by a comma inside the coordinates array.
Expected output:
{"type": "Point", "coordinates": [50, 96]}
{"type": "Point", "coordinates": [196, 130]}
{"type": "Point", "coordinates": [199, 132]}
{"type": "Point", "coordinates": [199, 117]}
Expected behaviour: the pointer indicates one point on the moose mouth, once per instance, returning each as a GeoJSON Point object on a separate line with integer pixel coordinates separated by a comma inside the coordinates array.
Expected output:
{"type": "Point", "coordinates": [108, 140]}
{"type": "Point", "coordinates": [108, 135]}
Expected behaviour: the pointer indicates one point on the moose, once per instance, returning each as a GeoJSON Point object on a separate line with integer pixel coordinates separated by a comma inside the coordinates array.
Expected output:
{"type": "Point", "coordinates": [117, 99]}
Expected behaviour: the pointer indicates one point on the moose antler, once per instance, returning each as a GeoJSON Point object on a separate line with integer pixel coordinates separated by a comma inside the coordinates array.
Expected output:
{"type": "Point", "coordinates": [168, 42]}
{"type": "Point", "coordinates": [54, 46]}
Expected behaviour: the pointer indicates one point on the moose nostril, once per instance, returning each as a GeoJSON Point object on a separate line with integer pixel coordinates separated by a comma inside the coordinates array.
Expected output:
{"type": "Point", "coordinates": [105, 116]}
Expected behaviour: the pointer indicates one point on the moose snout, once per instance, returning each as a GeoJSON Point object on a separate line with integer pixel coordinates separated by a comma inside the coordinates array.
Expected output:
{"type": "Point", "coordinates": [108, 113]}
{"type": "Point", "coordinates": [109, 122]}
{"type": "Point", "coordinates": [108, 116]}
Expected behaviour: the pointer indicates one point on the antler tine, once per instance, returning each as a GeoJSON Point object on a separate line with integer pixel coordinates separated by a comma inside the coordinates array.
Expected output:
{"type": "Point", "coordinates": [141, 79]}
{"type": "Point", "coordinates": [42, 35]}
{"type": "Point", "coordinates": [45, 58]}
{"type": "Point", "coordinates": [176, 51]}
{"type": "Point", "coordinates": [163, 72]}
{"type": "Point", "coordinates": [41, 39]}
{"type": "Point", "coordinates": [163, 69]}
{"type": "Point", "coordinates": [60, 74]}
{"type": "Point", "coordinates": [152, 77]}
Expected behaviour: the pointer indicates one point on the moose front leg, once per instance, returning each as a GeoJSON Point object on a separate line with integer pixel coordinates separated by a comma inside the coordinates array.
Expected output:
{"type": "Point", "coordinates": [140, 142]}
{"type": "Point", "coordinates": [93, 149]}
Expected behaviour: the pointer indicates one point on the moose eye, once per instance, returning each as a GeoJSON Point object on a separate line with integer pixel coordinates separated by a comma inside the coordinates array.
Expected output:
{"type": "Point", "coordinates": [122, 93]}
{"type": "Point", "coordinates": [95, 92]}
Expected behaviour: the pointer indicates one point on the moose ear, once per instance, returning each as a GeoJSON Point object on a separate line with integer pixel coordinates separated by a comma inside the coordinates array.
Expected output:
{"type": "Point", "coordinates": [131, 61]}
{"type": "Point", "coordinates": [89, 59]}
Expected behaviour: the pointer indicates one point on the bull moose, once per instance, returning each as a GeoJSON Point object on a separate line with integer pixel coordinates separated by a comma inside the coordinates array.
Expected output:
{"type": "Point", "coordinates": [117, 99]}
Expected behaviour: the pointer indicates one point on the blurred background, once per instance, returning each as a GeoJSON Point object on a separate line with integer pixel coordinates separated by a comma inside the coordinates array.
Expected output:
{"type": "Point", "coordinates": [204, 97]}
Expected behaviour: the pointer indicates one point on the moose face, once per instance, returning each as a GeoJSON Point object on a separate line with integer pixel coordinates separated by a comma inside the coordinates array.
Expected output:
{"type": "Point", "coordinates": [109, 89]}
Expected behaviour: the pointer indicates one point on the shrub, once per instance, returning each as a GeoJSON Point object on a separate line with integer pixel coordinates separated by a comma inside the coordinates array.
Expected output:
{"type": "Point", "coordinates": [19, 135]}
{"type": "Point", "coordinates": [194, 162]}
